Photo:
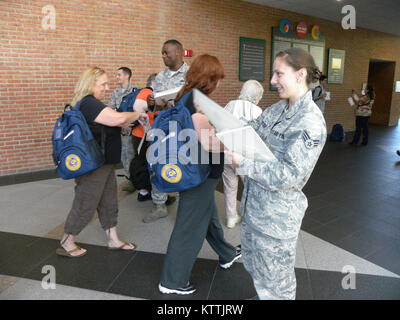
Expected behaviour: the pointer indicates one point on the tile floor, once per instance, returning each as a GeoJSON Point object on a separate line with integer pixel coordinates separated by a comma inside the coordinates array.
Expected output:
{"type": "Point", "coordinates": [353, 221]}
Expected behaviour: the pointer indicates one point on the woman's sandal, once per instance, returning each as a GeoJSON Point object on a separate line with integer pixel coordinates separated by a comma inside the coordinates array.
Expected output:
{"type": "Point", "coordinates": [122, 247]}
{"type": "Point", "coordinates": [62, 252]}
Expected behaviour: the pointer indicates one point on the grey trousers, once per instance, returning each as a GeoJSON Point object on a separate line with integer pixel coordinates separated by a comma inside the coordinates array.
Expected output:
{"type": "Point", "coordinates": [95, 190]}
{"type": "Point", "coordinates": [197, 219]}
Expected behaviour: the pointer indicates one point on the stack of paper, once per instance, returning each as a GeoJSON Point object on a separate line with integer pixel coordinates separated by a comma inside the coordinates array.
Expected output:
{"type": "Point", "coordinates": [231, 131]}
{"type": "Point", "coordinates": [167, 95]}
{"type": "Point", "coordinates": [218, 116]}
{"type": "Point", "coordinates": [246, 142]}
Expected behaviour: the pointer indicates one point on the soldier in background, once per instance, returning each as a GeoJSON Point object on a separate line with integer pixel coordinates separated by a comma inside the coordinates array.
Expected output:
{"type": "Point", "coordinates": [125, 87]}
{"type": "Point", "coordinates": [273, 204]}
{"type": "Point", "coordinates": [170, 78]}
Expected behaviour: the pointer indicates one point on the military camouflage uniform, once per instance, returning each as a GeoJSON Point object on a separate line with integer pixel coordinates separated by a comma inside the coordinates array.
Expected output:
{"type": "Point", "coordinates": [167, 80]}
{"type": "Point", "coordinates": [127, 152]}
{"type": "Point", "coordinates": [273, 204]}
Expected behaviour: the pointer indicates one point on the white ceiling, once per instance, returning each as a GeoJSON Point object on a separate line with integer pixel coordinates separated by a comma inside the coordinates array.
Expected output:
{"type": "Point", "coordinates": [378, 15]}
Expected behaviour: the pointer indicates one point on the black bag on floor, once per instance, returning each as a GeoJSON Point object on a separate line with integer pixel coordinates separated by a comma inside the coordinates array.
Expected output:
{"type": "Point", "coordinates": [138, 170]}
{"type": "Point", "coordinates": [337, 133]}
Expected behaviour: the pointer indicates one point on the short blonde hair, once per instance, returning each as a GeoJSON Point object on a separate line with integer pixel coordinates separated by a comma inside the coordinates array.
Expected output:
{"type": "Point", "coordinates": [86, 82]}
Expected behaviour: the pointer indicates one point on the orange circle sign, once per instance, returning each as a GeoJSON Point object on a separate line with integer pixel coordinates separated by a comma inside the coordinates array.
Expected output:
{"type": "Point", "coordinates": [315, 32]}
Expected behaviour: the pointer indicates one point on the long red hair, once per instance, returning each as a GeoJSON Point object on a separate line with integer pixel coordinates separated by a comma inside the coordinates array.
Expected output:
{"type": "Point", "coordinates": [204, 73]}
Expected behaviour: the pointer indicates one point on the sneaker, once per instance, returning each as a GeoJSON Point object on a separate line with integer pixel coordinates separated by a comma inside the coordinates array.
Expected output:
{"type": "Point", "coordinates": [398, 152]}
{"type": "Point", "coordinates": [232, 222]}
{"type": "Point", "coordinates": [141, 197]}
{"type": "Point", "coordinates": [237, 256]}
{"type": "Point", "coordinates": [158, 212]}
{"type": "Point", "coordinates": [189, 289]}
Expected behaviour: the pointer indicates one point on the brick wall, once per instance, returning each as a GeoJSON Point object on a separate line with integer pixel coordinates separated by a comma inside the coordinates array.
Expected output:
{"type": "Point", "coordinates": [38, 68]}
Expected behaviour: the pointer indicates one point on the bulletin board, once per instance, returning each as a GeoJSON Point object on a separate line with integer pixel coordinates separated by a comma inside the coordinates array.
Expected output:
{"type": "Point", "coordinates": [280, 42]}
{"type": "Point", "coordinates": [251, 59]}
{"type": "Point", "coordinates": [336, 66]}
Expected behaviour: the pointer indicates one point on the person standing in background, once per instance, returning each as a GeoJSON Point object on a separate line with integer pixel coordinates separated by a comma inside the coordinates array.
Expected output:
{"type": "Point", "coordinates": [363, 112]}
{"type": "Point", "coordinates": [173, 76]}
{"type": "Point", "coordinates": [319, 93]}
{"type": "Point", "coordinates": [246, 108]}
{"type": "Point", "coordinates": [125, 87]}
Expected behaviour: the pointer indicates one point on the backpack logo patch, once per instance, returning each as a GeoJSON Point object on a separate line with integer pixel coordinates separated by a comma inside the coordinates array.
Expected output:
{"type": "Point", "coordinates": [73, 162]}
{"type": "Point", "coordinates": [171, 173]}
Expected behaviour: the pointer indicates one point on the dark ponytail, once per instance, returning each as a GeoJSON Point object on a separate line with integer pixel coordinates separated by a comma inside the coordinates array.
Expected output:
{"type": "Point", "coordinates": [298, 58]}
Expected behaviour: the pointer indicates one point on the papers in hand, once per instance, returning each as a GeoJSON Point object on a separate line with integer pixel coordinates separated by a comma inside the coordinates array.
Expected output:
{"type": "Point", "coordinates": [247, 142]}
{"type": "Point", "coordinates": [220, 118]}
{"type": "Point", "coordinates": [167, 95]}
{"type": "Point", "coordinates": [351, 102]}
{"type": "Point", "coordinates": [328, 96]}
{"type": "Point", "coordinates": [231, 131]}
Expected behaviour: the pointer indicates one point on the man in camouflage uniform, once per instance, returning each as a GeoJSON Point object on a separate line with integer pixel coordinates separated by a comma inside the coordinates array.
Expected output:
{"type": "Point", "coordinates": [170, 78]}
{"type": "Point", "coordinates": [127, 153]}
{"type": "Point", "coordinates": [273, 204]}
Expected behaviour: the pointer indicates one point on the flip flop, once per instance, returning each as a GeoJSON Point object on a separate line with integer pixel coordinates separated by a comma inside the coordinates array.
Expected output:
{"type": "Point", "coordinates": [122, 247]}
{"type": "Point", "coordinates": [62, 252]}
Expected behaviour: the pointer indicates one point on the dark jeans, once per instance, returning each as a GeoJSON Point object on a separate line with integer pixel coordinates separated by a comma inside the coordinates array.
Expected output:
{"type": "Point", "coordinates": [196, 220]}
{"type": "Point", "coordinates": [361, 125]}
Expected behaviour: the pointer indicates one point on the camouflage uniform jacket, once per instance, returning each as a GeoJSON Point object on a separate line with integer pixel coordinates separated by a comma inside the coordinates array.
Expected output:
{"type": "Point", "coordinates": [168, 79]}
{"type": "Point", "coordinates": [117, 96]}
{"type": "Point", "coordinates": [116, 99]}
{"type": "Point", "coordinates": [272, 201]}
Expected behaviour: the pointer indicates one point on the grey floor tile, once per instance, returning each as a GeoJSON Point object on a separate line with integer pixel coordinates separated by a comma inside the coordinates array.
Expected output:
{"type": "Point", "coordinates": [232, 284]}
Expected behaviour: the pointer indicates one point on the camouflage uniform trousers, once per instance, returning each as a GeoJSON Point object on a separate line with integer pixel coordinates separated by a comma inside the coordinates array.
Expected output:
{"type": "Point", "coordinates": [127, 152]}
{"type": "Point", "coordinates": [270, 262]}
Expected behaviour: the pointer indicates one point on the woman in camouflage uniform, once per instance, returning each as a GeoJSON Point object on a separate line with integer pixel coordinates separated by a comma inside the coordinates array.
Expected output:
{"type": "Point", "coordinates": [273, 204]}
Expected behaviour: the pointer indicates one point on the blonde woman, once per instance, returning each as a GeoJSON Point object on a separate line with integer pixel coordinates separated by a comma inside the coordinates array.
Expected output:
{"type": "Point", "coordinates": [97, 189]}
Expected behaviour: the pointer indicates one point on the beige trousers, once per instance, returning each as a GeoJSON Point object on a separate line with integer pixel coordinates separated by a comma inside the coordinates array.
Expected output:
{"type": "Point", "coordinates": [231, 181]}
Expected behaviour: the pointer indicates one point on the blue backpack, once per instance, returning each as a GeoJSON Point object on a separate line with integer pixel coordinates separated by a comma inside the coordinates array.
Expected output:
{"type": "Point", "coordinates": [128, 101]}
{"type": "Point", "coordinates": [337, 133]}
{"type": "Point", "coordinates": [171, 168]}
{"type": "Point", "coordinates": [75, 151]}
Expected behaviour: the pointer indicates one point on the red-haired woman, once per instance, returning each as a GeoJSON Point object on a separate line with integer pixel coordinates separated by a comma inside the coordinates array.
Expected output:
{"type": "Point", "coordinates": [197, 216]}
